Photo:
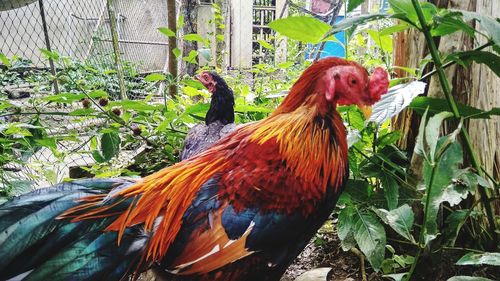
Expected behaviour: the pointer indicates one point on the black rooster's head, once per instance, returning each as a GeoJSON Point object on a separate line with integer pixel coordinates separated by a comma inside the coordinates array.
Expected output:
{"type": "Point", "coordinates": [212, 81]}
{"type": "Point", "coordinates": [222, 104]}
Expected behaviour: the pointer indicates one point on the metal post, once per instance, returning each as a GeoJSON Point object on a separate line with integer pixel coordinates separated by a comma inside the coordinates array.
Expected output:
{"type": "Point", "coordinates": [47, 44]}
{"type": "Point", "coordinates": [116, 48]}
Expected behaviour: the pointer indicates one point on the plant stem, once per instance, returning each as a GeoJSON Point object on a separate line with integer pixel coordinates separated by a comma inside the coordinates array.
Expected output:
{"type": "Point", "coordinates": [361, 262]}
{"type": "Point", "coordinates": [453, 106]}
{"type": "Point", "coordinates": [462, 249]}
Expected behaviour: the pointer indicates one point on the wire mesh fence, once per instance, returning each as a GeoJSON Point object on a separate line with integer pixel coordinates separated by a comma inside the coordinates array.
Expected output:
{"type": "Point", "coordinates": [80, 30]}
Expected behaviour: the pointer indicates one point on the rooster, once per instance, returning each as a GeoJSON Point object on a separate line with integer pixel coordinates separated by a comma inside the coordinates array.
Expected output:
{"type": "Point", "coordinates": [219, 119]}
{"type": "Point", "coordinates": [241, 210]}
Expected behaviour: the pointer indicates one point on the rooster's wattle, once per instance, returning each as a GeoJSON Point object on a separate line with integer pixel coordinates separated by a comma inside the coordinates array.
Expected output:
{"type": "Point", "coordinates": [241, 210]}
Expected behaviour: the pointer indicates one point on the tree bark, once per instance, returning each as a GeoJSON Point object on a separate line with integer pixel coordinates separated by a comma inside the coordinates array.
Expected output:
{"type": "Point", "coordinates": [477, 86]}
{"type": "Point", "coordinates": [172, 45]}
{"type": "Point", "coordinates": [189, 10]}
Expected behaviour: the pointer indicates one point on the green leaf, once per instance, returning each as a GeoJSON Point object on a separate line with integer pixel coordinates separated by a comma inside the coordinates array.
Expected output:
{"type": "Point", "coordinates": [420, 104]}
{"type": "Point", "coordinates": [98, 156]}
{"type": "Point", "coordinates": [395, 28]}
{"type": "Point", "coordinates": [345, 225]}
{"type": "Point", "coordinates": [50, 55]}
{"type": "Point", "coordinates": [194, 37]}
{"type": "Point", "coordinates": [265, 44]}
{"type": "Point", "coordinates": [110, 145]}
{"type": "Point", "coordinates": [370, 236]}
{"type": "Point", "coordinates": [177, 52]}
{"type": "Point", "coordinates": [384, 42]}
{"type": "Point", "coordinates": [479, 259]}
{"type": "Point", "coordinates": [400, 219]}
{"type": "Point", "coordinates": [47, 142]}
{"type": "Point", "coordinates": [468, 278]}
{"type": "Point", "coordinates": [191, 57]}
{"type": "Point", "coordinates": [301, 28]}
{"type": "Point", "coordinates": [5, 104]}
{"type": "Point", "coordinates": [449, 23]}
{"type": "Point", "coordinates": [357, 190]}
{"type": "Point", "coordinates": [391, 190]}
{"type": "Point", "coordinates": [5, 60]}
{"type": "Point", "coordinates": [353, 4]}
{"type": "Point", "coordinates": [190, 91]}
{"type": "Point", "coordinates": [432, 131]}
{"type": "Point", "coordinates": [404, 7]}
{"type": "Point", "coordinates": [167, 31]}
{"type": "Point", "coordinates": [487, 23]}
{"type": "Point", "coordinates": [134, 105]}
{"type": "Point", "coordinates": [348, 23]}
{"type": "Point", "coordinates": [490, 59]}
{"type": "Point", "coordinates": [453, 225]}
{"type": "Point", "coordinates": [441, 173]}
{"type": "Point", "coordinates": [154, 77]}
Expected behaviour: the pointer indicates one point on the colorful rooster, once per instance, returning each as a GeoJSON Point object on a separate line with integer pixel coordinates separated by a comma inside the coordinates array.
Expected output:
{"type": "Point", "coordinates": [242, 210]}
{"type": "Point", "coordinates": [219, 119]}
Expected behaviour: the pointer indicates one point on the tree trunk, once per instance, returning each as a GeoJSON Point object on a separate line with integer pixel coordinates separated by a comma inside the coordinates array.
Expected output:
{"type": "Point", "coordinates": [172, 45]}
{"type": "Point", "coordinates": [189, 10]}
{"type": "Point", "coordinates": [477, 86]}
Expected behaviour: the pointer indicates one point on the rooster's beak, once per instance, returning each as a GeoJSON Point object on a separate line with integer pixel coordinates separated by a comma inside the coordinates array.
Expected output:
{"type": "Point", "coordinates": [366, 110]}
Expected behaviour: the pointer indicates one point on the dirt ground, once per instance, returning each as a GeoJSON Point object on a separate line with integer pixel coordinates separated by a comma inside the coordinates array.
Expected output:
{"type": "Point", "coordinates": [327, 253]}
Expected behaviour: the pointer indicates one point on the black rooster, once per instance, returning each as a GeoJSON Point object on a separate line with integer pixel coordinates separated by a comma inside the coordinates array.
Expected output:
{"type": "Point", "coordinates": [219, 120]}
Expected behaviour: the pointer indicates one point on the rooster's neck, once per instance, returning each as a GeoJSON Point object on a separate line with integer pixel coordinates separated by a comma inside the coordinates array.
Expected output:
{"type": "Point", "coordinates": [306, 135]}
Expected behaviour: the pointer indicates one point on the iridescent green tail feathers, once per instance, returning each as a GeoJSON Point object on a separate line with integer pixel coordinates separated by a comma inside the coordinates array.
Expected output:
{"type": "Point", "coordinates": [36, 245]}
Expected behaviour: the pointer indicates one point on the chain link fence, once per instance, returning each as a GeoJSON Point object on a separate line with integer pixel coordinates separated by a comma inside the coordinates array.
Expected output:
{"type": "Point", "coordinates": [80, 30]}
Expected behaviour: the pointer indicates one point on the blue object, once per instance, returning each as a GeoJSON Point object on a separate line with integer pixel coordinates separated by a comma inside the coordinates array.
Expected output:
{"type": "Point", "coordinates": [384, 5]}
{"type": "Point", "coordinates": [331, 49]}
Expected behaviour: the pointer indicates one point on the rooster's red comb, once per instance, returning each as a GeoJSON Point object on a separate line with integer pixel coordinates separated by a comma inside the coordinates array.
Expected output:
{"type": "Point", "coordinates": [378, 85]}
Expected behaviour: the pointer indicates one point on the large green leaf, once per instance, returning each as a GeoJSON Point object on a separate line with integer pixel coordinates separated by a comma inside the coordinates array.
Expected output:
{"type": "Point", "coordinates": [487, 58]}
{"type": "Point", "coordinates": [301, 28]}
{"type": "Point", "coordinates": [479, 259]}
{"type": "Point", "coordinates": [370, 236]}
{"type": "Point", "coordinates": [110, 145]}
{"type": "Point", "coordinates": [437, 177]}
{"type": "Point", "coordinates": [488, 24]}
{"type": "Point", "coordinates": [400, 219]}
{"type": "Point", "coordinates": [420, 104]}
{"type": "Point", "coordinates": [449, 23]}
{"type": "Point", "coordinates": [391, 190]}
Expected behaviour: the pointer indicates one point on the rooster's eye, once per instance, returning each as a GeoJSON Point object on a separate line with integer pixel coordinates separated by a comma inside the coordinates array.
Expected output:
{"type": "Point", "coordinates": [353, 81]}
